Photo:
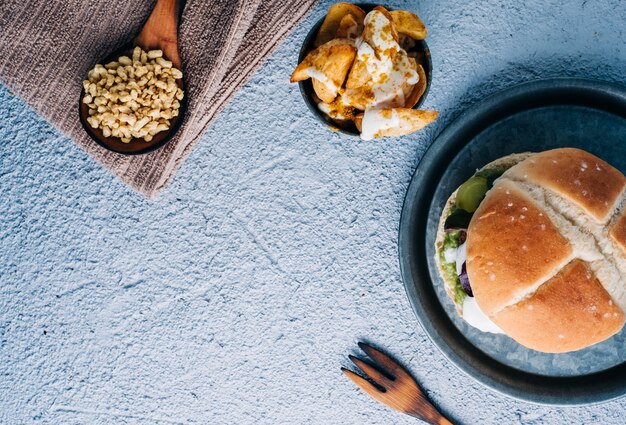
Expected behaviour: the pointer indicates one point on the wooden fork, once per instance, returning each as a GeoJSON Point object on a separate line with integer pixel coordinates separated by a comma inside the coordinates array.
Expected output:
{"type": "Point", "coordinates": [388, 383]}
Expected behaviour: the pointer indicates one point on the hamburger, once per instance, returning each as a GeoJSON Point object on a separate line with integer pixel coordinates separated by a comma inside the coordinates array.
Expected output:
{"type": "Point", "coordinates": [533, 245]}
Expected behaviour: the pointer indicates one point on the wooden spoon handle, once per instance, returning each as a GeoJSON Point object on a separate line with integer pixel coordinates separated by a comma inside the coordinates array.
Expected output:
{"type": "Point", "coordinates": [161, 30]}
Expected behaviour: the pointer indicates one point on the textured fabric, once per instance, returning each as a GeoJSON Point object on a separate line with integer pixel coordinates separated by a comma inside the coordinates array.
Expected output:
{"type": "Point", "coordinates": [46, 49]}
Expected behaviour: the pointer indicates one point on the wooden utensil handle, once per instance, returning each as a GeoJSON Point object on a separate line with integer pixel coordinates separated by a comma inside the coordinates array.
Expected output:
{"type": "Point", "coordinates": [161, 30]}
{"type": "Point", "coordinates": [432, 416]}
{"type": "Point", "coordinates": [440, 421]}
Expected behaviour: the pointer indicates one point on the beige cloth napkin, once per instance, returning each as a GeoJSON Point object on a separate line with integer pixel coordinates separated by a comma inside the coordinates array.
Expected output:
{"type": "Point", "coordinates": [47, 47]}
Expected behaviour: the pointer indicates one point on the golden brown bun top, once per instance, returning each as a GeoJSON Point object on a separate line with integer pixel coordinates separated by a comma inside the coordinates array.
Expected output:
{"type": "Point", "coordinates": [568, 312]}
{"type": "Point", "coordinates": [545, 251]}
{"type": "Point", "coordinates": [582, 178]}
{"type": "Point", "coordinates": [505, 163]}
{"type": "Point", "coordinates": [618, 231]}
{"type": "Point", "coordinates": [528, 247]}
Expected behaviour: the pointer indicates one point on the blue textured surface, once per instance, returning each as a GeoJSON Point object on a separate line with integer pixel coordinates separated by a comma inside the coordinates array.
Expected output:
{"type": "Point", "coordinates": [236, 295]}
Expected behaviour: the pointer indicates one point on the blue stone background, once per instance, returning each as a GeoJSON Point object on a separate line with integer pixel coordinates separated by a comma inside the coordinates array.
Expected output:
{"type": "Point", "coordinates": [235, 296]}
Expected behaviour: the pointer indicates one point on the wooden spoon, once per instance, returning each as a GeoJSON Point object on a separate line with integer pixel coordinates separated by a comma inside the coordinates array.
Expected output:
{"type": "Point", "coordinates": [159, 32]}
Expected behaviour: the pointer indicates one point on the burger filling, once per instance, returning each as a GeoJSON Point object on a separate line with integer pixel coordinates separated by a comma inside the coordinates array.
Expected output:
{"type": "Point", "coordinates": [449, 253]}
{"type": "Point", "coordinates": [453, 253]}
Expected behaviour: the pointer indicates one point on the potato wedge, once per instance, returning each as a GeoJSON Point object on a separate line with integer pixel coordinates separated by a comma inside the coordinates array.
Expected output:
{"type": "Point", "coordinates": [418, 89]}
{"type": "Point", "coordinates": [406, 87]}
{"type": "Point", "coordinates": [384, 12]}
{"type": "Point", "coordinates": [411, 120]}
{"type": "Point", "coordinates": [338, 111]}
{"type": "Point", "coordinates": [325, 93]}
{"type": "Point", "coordinates": [358, 76]}
{"type": "Point", "coordinates": [408, 23]}
{"type": "Point", "coordinates": [340, 41]}
{"type": "Point", "coordinates": [389, 17]}
{"type": "Point", "coordinates": [333, 18]}
{"type": "Point", "coordinates": [358, 121]}
{"type": "Point", "coordinates": [360, 97]}
{"type": "Point", "coordinates": [405, 121]}
{"type": "Point", "coordinates": [380, 34]}
{"type": "Point", "coordinates": [329, 64]}
{"type": "Point", "coordinates": [349, 27]}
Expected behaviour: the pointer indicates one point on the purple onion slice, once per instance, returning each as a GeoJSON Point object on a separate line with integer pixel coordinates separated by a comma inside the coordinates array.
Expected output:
{"type": "Point", "coordinates": [465, 283]}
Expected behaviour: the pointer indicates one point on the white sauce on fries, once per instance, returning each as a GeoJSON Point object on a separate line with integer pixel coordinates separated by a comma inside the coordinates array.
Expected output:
{"type": "Point", "coordinates": [326, 108]}
{"type": "Point", "coordinates": [386, 61]}
{"type": "Point", "coordinates": [375, 120]}
{"type": "Point", "coordinates": [322, 78]}
{"type": "Point", "coordinates": [391, 71]}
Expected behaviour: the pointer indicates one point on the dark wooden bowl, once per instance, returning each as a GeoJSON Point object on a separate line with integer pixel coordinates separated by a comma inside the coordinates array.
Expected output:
{"type": "Point", "coordinates": [160, 31]}
{"type": "Point", "coordinates": [135, 146]}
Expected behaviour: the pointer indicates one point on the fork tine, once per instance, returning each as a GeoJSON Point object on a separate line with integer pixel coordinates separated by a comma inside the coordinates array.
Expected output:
{"type": "Point", "coordinates": [365, 385]}
{"type": "Point", "coordinates": [396, 389]}
{"type": "Point", "coordinates": [385, 361]}
{"type": "Point", "coordinates": [371, 371]}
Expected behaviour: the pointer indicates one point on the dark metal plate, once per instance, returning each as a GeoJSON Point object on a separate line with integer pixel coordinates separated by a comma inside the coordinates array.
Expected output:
{"type": "Point", "coordinates": [534, 116]}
